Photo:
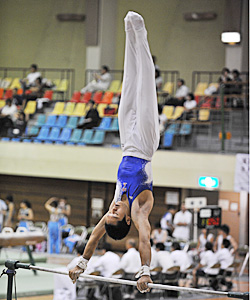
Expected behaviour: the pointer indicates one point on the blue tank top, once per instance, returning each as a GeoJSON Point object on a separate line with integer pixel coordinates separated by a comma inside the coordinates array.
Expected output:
{"type": "Point", "coordinates": [134, 176]}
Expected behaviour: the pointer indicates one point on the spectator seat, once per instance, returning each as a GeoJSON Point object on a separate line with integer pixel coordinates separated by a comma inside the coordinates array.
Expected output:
{"type": "Point", "coordinates": [8, 94]}
{"type": "Point", "coordinates": [105, 124]}
{"type": "Point", "coordinates": [61, 121]}
{"type": "Point", "coordinates": [168, 139]}
{"type": "Point", "coordinates": [63, 86]}
{"type": "Point", "coordinates": [15, 84]}
{"type": "Point", "coordinates": [204, 115]}
{"type": "Point", "coordinates": [107, 98]}
{"type": "Point", "coordinates": [173, 128]}
{"type": "Point", "coordinates": [72, 122]}
{"type": "Point", "coordinates": [114, 86]}
{"type": "Point", "coordinates": [43, 134]}
{"type": "Point", "coordinates": [114, 125]}
{"type": "Point", "coordinates": [2, 103]}
{"type": "Point", "coordinates": [58, 109]}
{"type": "Point", "coordinates": [69, 109]}
{"type": "Point", "coordinates": [200, 89]}
{"type": "Point", "coordinates": [48, 94]}
{"type": "Point", "coordinates": [87, 137]}
{"type": "Point", "coordinates": [168, 111]}
{"type": "Point", "coordinates": [30, 108]}
{"type": "Point", "coordinates": [51, 121]}
{"type": "Point", "coordinates": [185, 129]}
{"type": "Point", "coordinates": [6, 82]}
{"type": "Point", "coordinates": [98, 96]}
{"type": "Point", "coordinates": [86, 97]}
{"type": "Point", "coordinates": [179, 110]}
{"type": "Point", "coordinates": [64, 136]}
{"type": "Point", "coordinates": [76, 97]}
{"type": "Point", "coordinates": [1, 93]}
{"type": "Point", "coordinates": [168, 88]}
{"type": "Point", "coordinates": [54, 134]}
{"type": "Point", "coordinates": [56, 83]}
{"type": "Point", "coordinates": [40, 120]}
{"type": "Point", "coordinates": [75, 137]}
{"type": "Point", "coordinates": [79, 110]}
{"type": "Point", "coordinates": [100, 109]}
{"type": "Point", "coordinates": [98, 138]}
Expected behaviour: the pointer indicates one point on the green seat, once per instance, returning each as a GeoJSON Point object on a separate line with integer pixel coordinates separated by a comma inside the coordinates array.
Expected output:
{"type": "Point", "coordinates": [76, 137]}
{"type": "Point", "coordinates": [87, 137]}
{"type": "Point", "coordinates": [72, 122]}
{"type": "Point", "coordinates": [98, 138]}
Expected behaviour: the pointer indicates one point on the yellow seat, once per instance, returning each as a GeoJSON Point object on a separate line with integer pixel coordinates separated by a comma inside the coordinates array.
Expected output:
{"type": "Point", "coordinates": [177, 113]}
{"type": "Point", "coordinates": [168, 87]}
{"type": "Point", "coordinates": [30, 108]}
{"type": "Point", "coordinates": [120, 89]}
{"type": "Point", "coordinates": [6, 82]}
{"type": "Point", "coordinates": [116, 107]}
{"type": "Point", "coordinates": [69, 109]}
{"type": "Point", "coordinates": [114, 86]}
{"type": "Point", "coordinates": [168, 111]}
{"type": "Point", "coordinates": [56, 82]}
{"type": "Point", "coordinates": [215, 84]}
{"type": "Point", "coordinates": [200, 89]}
{"type": "Point", "coordinates": [79, 110]}
{"type": "Point", "coordinates": [204, 114]}
{"type": "Point", "coordinates": [2, 103]}
{"type": "Point", "coordinates": [63, 86]}
{"type": "Point", "coordinates": [58, 109]}
{"type": "Point", "coordinates": [15, 84]}
{"type": "Point", "coordinates": [100, 109]}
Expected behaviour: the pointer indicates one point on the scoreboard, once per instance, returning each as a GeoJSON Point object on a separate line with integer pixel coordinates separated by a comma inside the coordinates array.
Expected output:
{"type": "Point", "coordinates": [209, 217]}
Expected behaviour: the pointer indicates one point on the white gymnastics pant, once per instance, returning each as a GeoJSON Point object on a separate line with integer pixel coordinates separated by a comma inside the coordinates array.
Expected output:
{"type": "Point", "coordinates": [138, 111]}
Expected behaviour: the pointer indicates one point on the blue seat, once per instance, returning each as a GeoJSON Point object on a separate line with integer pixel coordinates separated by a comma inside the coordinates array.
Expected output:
{"type": "Point", "coordinates": [114, 125]}
{"type": "Point", "coordinates": [5, 139]}
{"type": "Point", "coordinates": [40, 120]}
{"type": "Point", "coordinates": [173, 128]}
{"type": "Point", "coordinates": [105, 124]}
{"type": "Point", "coordinates": [15, 139]}
{"type": "Point", "coordinates": [72, 122]}
{"type": "Point", "coordinates": [87, 137]}
{"type": "Point", "coordinates": [33, 131]}
{"type": "Point", "coordinates": [54, 134]}
{"type": "Point", "coordinates": [186, 129]}
{"type": "Point", "coordinates": [168, 139]}
{"type": "Point", "coordinates": [76, 137]}
{"type": "Point", "coordinates": [37, 141]}
{"type": "Point", "coordinates": [65, 135]}
{"type": "Point", "coordinates": [80, 121]}
{"type": "Point", "coordinates": [98, 137]}
{"type": "Point", "coordinates": [51, 121]}
{"type": "Point", "coordinates": [27, 141]}
{"type": "Point", "coordinates": [61, 121]}
{"type": "Point", "coordinates": [43, 134]}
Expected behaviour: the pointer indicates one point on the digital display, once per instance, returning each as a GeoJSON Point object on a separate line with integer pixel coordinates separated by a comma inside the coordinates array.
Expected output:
{"type": "Point", "coordinates": [209, 217]}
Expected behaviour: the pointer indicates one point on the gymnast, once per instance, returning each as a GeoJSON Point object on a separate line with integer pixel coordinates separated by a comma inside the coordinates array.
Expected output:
{"type": "Point", "coordinates": [139, 133]}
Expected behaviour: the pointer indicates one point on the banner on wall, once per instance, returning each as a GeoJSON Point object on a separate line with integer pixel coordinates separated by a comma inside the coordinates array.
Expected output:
{"type": "Point", "coordinates": [241, 177]}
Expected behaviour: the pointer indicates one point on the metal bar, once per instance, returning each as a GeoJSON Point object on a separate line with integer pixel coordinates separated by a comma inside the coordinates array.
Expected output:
{"type": "Point", "coordinates": [222, 119]}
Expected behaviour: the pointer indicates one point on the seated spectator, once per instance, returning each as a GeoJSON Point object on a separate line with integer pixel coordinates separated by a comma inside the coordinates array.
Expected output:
{"type": "Point", "coordinates": [7, 117]}
{"type": "Point", "coordinates": [236, 87]}
{"type": "Point", "coordinates": [180, 95]}
{"type": "Point", "coordinates": [204, 237]}
{"type": "Point", "coordinates": [100, 83]}
{"type": "Point", "coordinates": [189, 105]}
{"type": "Point", "coordinates": [19, 125]}
{"type": "Point", "coordinates": [36, 91]}
{"type": "Point", "coordinates": [163, 257]}
{"type": "Point", "coordinates": [25, 214]}
{"type": "Point", "coordinates": [167, 220]}
{"type": "Point", "coordinates": [225, 259]}
{"type": "Point", "coordinates": [204, 267]}
{"type": "Point", "coordinates": [10, 211]}
{"type": "Point", "coordinates": [159, 235]}
{"type": "Point", "coordinates": [31, 78]}
{"type": "Point", "coordinates": [17, 99]}
{"type": "Point", "coordinates": [162, 119]}
{"type": "Point", "coordinates": [130, 261]}
{"type": "Point", "coordinates": [180, 257]}
{"type": "Point", "coordinates": [224, 79]}
{"type": "Point", "coordinates": [223, 233]}
{"type": "Point", "coordinates": [158, 80]}
{"type": "Point", "coordinates": [92, 118]}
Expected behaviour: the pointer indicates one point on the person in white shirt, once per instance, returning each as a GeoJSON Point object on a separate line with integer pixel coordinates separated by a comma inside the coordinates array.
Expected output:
{"type": "Point", "coordinates": [108, 262]}
{"type": "Point", "coordinates": [100, 83]}
{"type": "Point", "coordinates": [163, 257]}
{"type": "Point", "coordinates": [204, 237]}
{"type": "Point", "coordinates": [180, 95]}
{"type": "Point", "coordinates": [130, 261]}
{"type": "Point", "coordinates": [180, 257]}
{"type": "Point", "coordinates": [189, 106]}
{"type": "Point", "coordinates": [3, 208]}
{"type": "Point", "coordinates": [182, 222]}
{"type": "Point", "coordinates": [9, 111]}
{"type": "Point", "coordinates": [223, 233]}
{"type": "Point", "coordinates": [31, 77]}
{"type": "Point", "coordinates": [208, 260]}
{"type": "Point", "coordinates": [167, 220]}
{"type": "Point", "coordinates": [159, 235]}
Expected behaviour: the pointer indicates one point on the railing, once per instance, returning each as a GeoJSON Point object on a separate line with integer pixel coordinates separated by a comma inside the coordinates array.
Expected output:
{"type": "Point", "coordinates": [49, 73]}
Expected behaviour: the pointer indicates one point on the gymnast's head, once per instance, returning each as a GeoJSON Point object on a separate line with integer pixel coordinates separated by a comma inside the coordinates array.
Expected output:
{"type": "Point", "coordinates": [118, 220]}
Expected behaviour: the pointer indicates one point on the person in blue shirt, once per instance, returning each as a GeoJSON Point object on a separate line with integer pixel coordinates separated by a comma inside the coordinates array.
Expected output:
{"type": "Point", "coordinates": [139, 134]}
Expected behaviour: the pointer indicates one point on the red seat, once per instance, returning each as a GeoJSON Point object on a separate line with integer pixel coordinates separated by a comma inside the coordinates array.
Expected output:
{"type": "Point", "coordinates": [76, 97]}
{"type": "Point", "coordinates": [1, 93]}
{"type": "Point", "coordinates": [8, 94]}
{"type": "Point", "coordinates": [86, 97]}
{"type": "Point", "coordinates": [48, 94]}
{"type": "Point", "coordinates": [107, 98]}
{"type": "Point", "coordinates": [97, 97]}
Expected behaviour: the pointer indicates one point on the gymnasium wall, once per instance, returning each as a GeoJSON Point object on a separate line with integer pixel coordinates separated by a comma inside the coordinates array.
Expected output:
{"type": "Point", "coordinates": [30, 33]}
{"type": "Point", "coordinates": [178, 44]}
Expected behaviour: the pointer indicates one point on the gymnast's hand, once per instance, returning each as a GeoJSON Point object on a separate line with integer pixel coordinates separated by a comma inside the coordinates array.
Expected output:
{"type": "Point", "coordinates": [142, 283]}
{"type": "Point", "coordinates": [75, 273]}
